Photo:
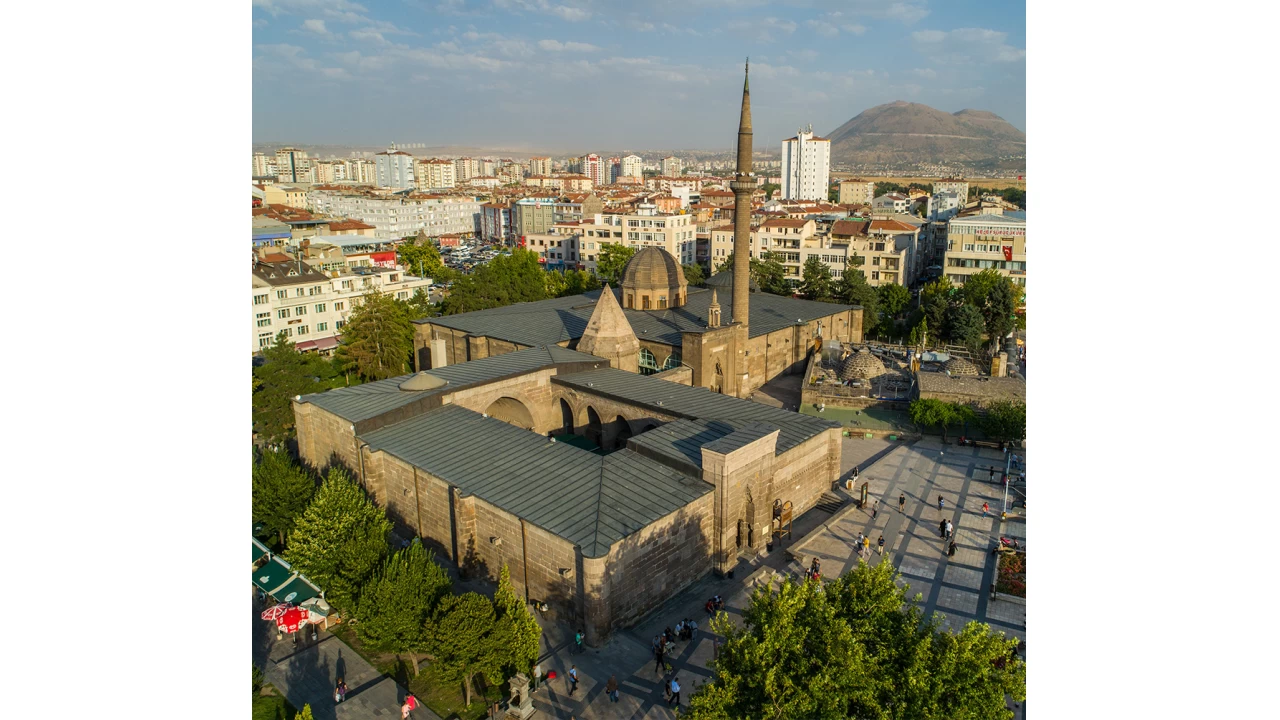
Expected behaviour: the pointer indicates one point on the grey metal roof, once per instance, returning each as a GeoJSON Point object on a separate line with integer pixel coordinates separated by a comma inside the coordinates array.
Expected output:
{"type": "Point", "coordinates": [589, 500]}
{"type": "Point", "coordinates": [696, 403]}
{"type": "Point", "coordinates": [681, 442]}
{"type": "Point", "coordinates": [547, 322]}
{"type": "Point", "coordinates": [370, 400]}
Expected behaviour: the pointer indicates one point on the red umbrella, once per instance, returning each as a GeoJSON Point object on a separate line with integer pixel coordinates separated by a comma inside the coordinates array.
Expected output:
{"type": "Point", "coordinates": [274, 612]}
{"type": "Point", "coordinates": [292, 618]}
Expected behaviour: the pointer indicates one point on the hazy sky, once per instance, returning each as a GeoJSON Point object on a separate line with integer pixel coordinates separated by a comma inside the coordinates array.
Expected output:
{"type": "Point", "coordinates": [579, 75]}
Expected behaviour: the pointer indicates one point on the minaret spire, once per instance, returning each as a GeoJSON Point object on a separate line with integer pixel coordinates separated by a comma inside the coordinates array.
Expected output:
{"type": "Point", "coordinates": [743, 185]}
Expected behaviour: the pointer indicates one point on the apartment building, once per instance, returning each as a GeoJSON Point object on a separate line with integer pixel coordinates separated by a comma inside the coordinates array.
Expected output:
{"type": "Point", "coordinates": [394, 169]}
{"type": "Point", "coordinates": [806, 166]}
{"type": "Point", "coordinates": [556, 251]}
{"type": "Point", "coordinates": [289, 165]}
{"type": "Point", "coordinates": [857, 192]}
{"type": "Point", "coordinates": [672, 166]}
{"type": "Point", "coordinates": [540, 166]}
{"type": "Point", "coordinates": [260, 164]}
{"type": "Point", "coordinates": [888, 249]}
{"type": "Point", "coordinates": [362, 171]}
{"type": "Point", "coordinates": [595, 168]}
{"type": "Point", "coordinates": [953, 185]}
{"type": "Point", "coordinates": [944, 205]}
{"type": "Point", "coordinates": [531, 216]}
{"type": "Point", "coordinates": [891, 202]}
{"type": "Point", "coordinates": [646, 227]}
{"type": "Point", "coordinates": [495, 221]}
{"type": "Point", "coordinates": [295, 197]}
{"type": "Point", "coordinates": [398, 215]}
{"type": "Point", "coordinates": [464, 169]}
{"type": "Point", "coordinates": [978, 242]}
{"type": "Point", "coordinates": [633, 166]}
{"type": "Point", "coordinates": [310, 305]}
{"type": "Point", "coordinates": [329, 171]}
{"type": "Point", "coordinates": [434, 174]}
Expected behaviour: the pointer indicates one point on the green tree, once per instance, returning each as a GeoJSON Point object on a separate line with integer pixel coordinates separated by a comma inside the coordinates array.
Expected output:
{"type": "Point", "coordinates": [580, 281]}
{"type": "Point", "coordinates": [396, 608]}
{"type": "Point", "coordinates": [770, 275]}
{"type": "Point", "coordinates": [281, 492]}
{"type": "Point", "coordinates": [852, 289]}
{"type": "Point", "coordinates": [340, 539]}
{"type": "Point", "coordinates": [833, 193]}
{"type": "Point", "coordinates": [936, 413]}
{"type": "Point", "coordinates": [791, 658]}
{"type": "Point", "coordinates": [516, 623]}
{"type": "Point", "coordinates": [422, 259]}
{"type": "Point", "coordinates": [965, 326]}
{"type": "Point", "coordinates": [693, 274]}
{"type": "Point", "coordinates": [769, 189]}
{"type": "Point", "coordinates": [304, 714]}
{"type": "Point", "coordinates": [855, 646]}
{"type": "Point", "coordinates": [893, 299]}
{"type": "Point", "coordinates": [1004, 420]}
{"type": "Point", "coordinates": [284, 374]}
{"type": "Point", "coordinates": [613, 258]}
{"type": "Point", "coordinates": [816, 283]}
{"type": "Point", "coordinates": [979, 286]}
{"type": "Point", "coordinates": [420, 306]}
{"type": "Point", "coordinates": [465, 642]}
{"type": "Point", "coordinates": [377, 341]}
{"type": "Point", "coordinates": [556, 283]}
{"type": "Point", "coordinates": [887, 187]}
{"type": "Point", "coordinates": [505, 280]}
{"type": "Point", "coordinates": [920, 333]}
{"type": "Point", "coordinates": [998, 312]}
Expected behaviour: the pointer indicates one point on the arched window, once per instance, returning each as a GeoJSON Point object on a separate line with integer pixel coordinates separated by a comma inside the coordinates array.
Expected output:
{"type": "Point", "coordinates": [648, 363]}
{"type": "Point", "coordinates": [662, 302]}
{"type": "Point", "coordinates": [673, 361]}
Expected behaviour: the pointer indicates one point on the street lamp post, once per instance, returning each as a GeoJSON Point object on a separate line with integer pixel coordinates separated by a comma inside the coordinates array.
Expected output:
{"type": "Point", "coordinates": [1008, 462]}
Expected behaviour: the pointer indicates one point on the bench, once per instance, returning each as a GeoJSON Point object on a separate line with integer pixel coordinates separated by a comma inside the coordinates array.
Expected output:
{"type": "Point", "coordinates": [988, 444]}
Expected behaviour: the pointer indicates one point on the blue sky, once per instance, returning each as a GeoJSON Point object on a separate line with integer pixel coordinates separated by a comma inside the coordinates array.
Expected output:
{"type": "Point", "coordinates": [577, 75]}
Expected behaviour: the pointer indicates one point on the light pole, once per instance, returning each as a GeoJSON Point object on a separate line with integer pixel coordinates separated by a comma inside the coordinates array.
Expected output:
{"type": "Point", "coordinates": [1008, 461]}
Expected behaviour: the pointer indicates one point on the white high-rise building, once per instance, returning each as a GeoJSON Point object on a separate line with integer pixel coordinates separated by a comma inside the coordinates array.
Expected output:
{"type": "Point", "coordinates": [540, 166]}
{"type": "Point", "coordinates": [594, 168]}
{"type": "Point", "coordinates": [395, 169]}
{"type": "Point", "coordinates": [259, 164]}
{"type": "Point", "coordinates": [672, 166]}
{"type": "Point", "coordinates": [289, 165]}
{"type": "Point", "coordinates": [464, 169]}
{"type": "Point", "coordinates": [806, 166]}
{"type": "Point", "coordinates": [434, 174]}
{"type": "Point", "coordinates": [633, 166]}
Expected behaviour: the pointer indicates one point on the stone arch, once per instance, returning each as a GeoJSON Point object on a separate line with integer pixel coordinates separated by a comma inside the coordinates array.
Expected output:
{"type": "Point", "coordinates": [594, 430]}
{"type": "Point", "coordinates": [648, 363]}
{"type": "Point", "coordinates": [622, 432]}
{"type": "Point", "coordinates": [511, 411]}
{"type": "Point", "coordinates": [566, 417]}
{"type": "Point", "coordinates": [673, 360]}
{"type": "Point", "coordinates": [646, 426]}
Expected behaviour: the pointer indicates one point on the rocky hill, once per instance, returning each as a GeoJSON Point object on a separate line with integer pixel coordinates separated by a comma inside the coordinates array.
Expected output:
{"type": "Point", "coordinates": [903, 133]}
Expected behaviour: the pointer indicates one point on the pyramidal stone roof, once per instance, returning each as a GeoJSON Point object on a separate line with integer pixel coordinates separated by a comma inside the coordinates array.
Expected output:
{"type": "Point", "coordinates": [608, 329]}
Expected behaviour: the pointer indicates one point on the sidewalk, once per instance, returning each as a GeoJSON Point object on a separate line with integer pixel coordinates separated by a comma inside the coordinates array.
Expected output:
{"type": "Point", "coordinates": [306, 674]}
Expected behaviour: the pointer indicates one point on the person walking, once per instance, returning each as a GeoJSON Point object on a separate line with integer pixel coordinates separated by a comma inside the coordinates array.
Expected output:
{"type": "Point", "coordinates": [902, 502]}
{"type": "Point", "coordinates": [991, 473]}
{"type": "Point", "coordinates": [875, 509]}
{"type": "Point", "coordinates": [866, 544]}
{"type": "Point", "coordinates": [939, 503]}
{"type": "Point", "coordinates": [880, 542]}
{"type": "Point", "coordinates": [612, 688]}
{"type": "Point", "coordinates": [577, 642]}
{"type": "Point", "coordinates": [985, 509]}
{"type": "Point", "coordinates": [658, 654]}
{"type": "Point", "coordinates": [675, 692]}
{"type": "Point", "coordinates": [573, 678]}
{"type": "Point", "coordinates": [950, 529]}
{"type": "Point", "coordinates": [951, 549]}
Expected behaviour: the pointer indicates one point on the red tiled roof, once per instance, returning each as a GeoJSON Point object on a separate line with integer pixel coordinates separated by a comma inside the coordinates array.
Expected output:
{"type": "Point", "coordinates": [896, 225]}
{"type": "Point", "coordinates": [350, 225]}
{"type": "Point", "coordinates": [784, 223]}
{"type": "Point", "coordinates": [850, 227]}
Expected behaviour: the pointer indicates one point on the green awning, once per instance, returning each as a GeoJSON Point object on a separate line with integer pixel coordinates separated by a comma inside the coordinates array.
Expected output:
{"type": "Point", "coordinates": [258, 550]}
{"type": "Point", "coordinates": [272, 575]}
{"type": "Point", "coordinates": [296, 591]}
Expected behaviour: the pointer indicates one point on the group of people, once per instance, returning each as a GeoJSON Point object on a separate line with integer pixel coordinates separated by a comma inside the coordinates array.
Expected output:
{"type": "Point", "coordinates": [714, 605]}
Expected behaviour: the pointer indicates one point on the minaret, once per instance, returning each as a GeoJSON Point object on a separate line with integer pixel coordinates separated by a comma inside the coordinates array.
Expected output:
{"type": "Point", "coordinates": [713, 311]}
{"type": "Point", "coordinates": [743, 185]}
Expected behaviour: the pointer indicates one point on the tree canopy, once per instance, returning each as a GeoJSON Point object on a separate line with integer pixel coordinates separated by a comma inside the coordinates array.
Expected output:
{"type": "Point", "coordinates": [281, 492]}
{"type": "Point", "coordinates": [936, 413]}
{"type": "Point", "coordinates": [340, 539]}
{"type": "Point", "coordinates": [505, 280]}
{"type": "Point", "coordinates": [768, 273]}
{"type": "Point", "coordinates": [396, 608]}
{"type": "Point", "coordinates": [422, 258]}
{"type": "Point", "coordinates": [693, 274]}
{"type": "Point", "coordinates": [284, 374]}
{"type": "Point", "coordinates": [1004, 420]}
{"type": "Point", "coordinates": [377, 341]}
{"type": "Point", "coordinates": [965, 325]}
{"type": "Point", "coordinates": [816, 283]}
{"type": "Point", "coordinates": [613, 258]}
{"type": "Point", "coordinates": [893, 299]}
{"type": "Point", "coordinates": [522, 631]}
{"type": "Point", "coordinates": [466, 641]}
{"type": "Point", "coordinates": [852, 289]}
{"type": "Point", "coordinates": [855, 646]}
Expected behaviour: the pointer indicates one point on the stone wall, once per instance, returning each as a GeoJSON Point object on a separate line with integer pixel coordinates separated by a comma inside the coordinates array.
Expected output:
{"type": "Point", "coordinates": [324, 439]}
{"type": "Point", "coordinates": [532, 390]}
{"type": "Point", "coordinates": [635, 419]}
{"type": "Point", "coordinates": [682, 375]}
{"type": "Point", "coordinates": [743, 494]}
{"type": "Point", "coordinates": [802, 474]}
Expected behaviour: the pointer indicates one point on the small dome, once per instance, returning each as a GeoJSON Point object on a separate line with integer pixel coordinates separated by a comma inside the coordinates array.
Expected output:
{"type": "Point", "coordinates": [960, 366]}
{"type": "Point", "coordinates": [653, 275]}
{"type": "Point", "coordinates": [861, 366]}
{"type": "Point", "coordinates": [423, 381]}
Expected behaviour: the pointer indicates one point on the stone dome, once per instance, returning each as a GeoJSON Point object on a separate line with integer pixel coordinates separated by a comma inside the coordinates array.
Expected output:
{"type": "Point", "coordinates": [960, 366]}
{"type": "Point", "coordinates": [723, 280]}
{"type": "Point", "coordinates": [861, 366]}
{"type": "Point", "coordinates": [653, 280]}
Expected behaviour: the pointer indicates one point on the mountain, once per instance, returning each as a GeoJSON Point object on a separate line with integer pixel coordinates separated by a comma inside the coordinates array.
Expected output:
{"type": "Point", "coordinates": [908, 133]}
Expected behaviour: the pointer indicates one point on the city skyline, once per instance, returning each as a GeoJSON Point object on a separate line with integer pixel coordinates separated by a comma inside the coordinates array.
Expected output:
{"type": "Point", "coordinates": [535, 75]}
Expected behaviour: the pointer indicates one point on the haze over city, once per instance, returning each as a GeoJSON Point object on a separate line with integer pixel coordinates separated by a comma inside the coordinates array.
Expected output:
{"type": "Point", "coordinates": [538, 75]}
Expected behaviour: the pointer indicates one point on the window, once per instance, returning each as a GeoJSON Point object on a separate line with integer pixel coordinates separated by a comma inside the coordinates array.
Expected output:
{"type": "Point", "coordinates": [320, 307]}
{"type": "Point", "coordinates": [282, 294]}
{"type": "Point", "coordinates": [303, 330]}
{"type": "Point", "coordinates": [662, 302]}
{"type": "Point", "coordinates": [264, 319]}
{"type": "Point", "coordinates": [644, 299]}
{"type": "Point", "coordinates": [338, 325]}
{"type": "Point", "coordinates": [339, 306]}
{"type": "Point", "coordinates": [283, 313]}
{"type": "Point", "coordinates": [321, 327]}
{"type": "Point", "coordinates": [346, 284]}
{"type": "Point", "coordinates": [875, 276]}
{"type": "Point", "coordinates": [648, 363]}
{"type": "Point", "coordinates": [968, 247]}
{"type": "Point", "coordinates": [300, 310]}
{"type": "Point", "coordinates": [259, 299]}
{"type": "Point", "coordinates": [673, 361]}
{"type": "Point", "coordinates": [298, 292]}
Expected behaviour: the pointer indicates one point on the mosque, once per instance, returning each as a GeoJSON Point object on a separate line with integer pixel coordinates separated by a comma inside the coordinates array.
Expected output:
{"type": "Point", "coordinates": [599, 445]}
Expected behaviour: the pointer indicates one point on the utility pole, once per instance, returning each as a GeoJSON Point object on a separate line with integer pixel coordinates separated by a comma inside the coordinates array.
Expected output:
{"type": "Point", "coordinates": [1008, 462]}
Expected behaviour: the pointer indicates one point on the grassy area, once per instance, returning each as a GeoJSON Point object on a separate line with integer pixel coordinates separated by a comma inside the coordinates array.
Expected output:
{"type": "Point", "coordinates": [272, 707]}
{"type": "Point", "coordinates": [874, 419]}
{"type": "Point", "coordinates": [445, 699]}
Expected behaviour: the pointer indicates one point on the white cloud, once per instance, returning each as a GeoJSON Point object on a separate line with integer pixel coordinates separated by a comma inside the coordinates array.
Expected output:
{"type": "Point", "coordinates": [557, 46]}
{"type": "Point", "coordinates": [769, 72]}
{"type": "Point", "coordinates": [764, 30]}
{"type": "Point", "coordinates": [370, 36]}
{"type": "Point", "coordinates": [927, 73]}
{"type": "Point", "coordinates": [570, 13]}
{"type": "Point", "coordinates": [806, 55]}
{"type": "Point", "coordinates": [315, 26]}
{"type": "Point", "coordinates": [854, 29]}
{"type": "Point", "coordinates": [967, 45]}
{"type": "Point", "coordinates": [822, 28]}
